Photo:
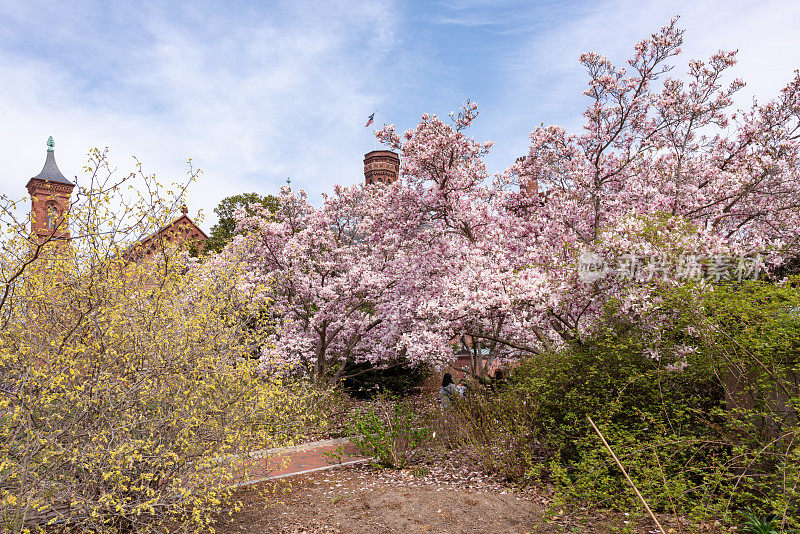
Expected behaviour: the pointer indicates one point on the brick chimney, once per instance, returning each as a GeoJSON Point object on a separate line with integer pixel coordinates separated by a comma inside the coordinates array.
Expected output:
{"type": "Point", "coordinates": [381, 167]}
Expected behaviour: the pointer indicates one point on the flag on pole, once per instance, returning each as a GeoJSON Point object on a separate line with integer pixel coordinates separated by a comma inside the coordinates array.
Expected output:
{"type": "Point", "coordinates": [370, 121]}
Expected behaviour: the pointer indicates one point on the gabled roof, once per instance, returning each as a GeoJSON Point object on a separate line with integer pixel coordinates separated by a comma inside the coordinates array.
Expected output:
{"type": "Point", "coordinates": [179, 226]}
{"type": "Point", "coordinates": [179, 222]}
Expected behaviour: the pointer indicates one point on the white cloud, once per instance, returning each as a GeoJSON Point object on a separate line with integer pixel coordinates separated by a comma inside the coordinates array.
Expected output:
{"type": "Point", "coordinates": [544, 80]}
{"type": "Point", "coordinates": [256, 92]}
{"type": "Point", "coordinates": [252, 99]}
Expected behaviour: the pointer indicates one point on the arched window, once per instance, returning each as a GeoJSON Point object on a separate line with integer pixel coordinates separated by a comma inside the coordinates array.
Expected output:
{"type": "Point", "coordinates": [52, 216]}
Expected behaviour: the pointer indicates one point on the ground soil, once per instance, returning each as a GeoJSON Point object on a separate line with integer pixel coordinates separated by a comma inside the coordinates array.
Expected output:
{"type": "Point", "coordinates": [360, 499]}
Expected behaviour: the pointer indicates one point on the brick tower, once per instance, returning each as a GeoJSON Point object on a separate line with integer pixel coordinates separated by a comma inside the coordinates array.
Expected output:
{"type": "Point", "coordinates": [381, 167]}
{"type": "Point", "coordinates": [50, 199]}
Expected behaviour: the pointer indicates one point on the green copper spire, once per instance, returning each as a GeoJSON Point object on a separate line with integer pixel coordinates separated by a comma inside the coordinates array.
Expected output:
{"type": "Point", "coordinates": [50, 144]}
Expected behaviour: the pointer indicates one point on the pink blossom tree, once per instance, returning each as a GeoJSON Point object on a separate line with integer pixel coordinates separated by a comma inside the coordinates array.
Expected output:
{"type": "Point", "coordinates": [663, 168]}
{"type": "Point", "coordinates": [450, 257]}
{"type": "Point", "coordinates": [464, 277]}
{"type": "Point", "coordinates": [328, 277]}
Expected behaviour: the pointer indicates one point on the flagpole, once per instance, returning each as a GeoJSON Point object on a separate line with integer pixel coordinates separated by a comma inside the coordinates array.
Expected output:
{"type": "Point", "coordinates": [371, 122]}
{"type": "Point", "coordinates": [374, 139]}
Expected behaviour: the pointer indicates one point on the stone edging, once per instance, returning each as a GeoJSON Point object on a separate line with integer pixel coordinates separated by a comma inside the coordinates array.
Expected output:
{"type": "Point", "coordinates": [276, 477]}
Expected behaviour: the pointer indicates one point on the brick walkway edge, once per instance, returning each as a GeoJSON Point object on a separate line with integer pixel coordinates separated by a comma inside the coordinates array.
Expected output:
{"type": "Point", "coordinates": [285, 462]}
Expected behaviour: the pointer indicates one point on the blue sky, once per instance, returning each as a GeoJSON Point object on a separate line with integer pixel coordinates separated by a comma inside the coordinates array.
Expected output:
{"type": "Point", "coordinates": [254, 92]}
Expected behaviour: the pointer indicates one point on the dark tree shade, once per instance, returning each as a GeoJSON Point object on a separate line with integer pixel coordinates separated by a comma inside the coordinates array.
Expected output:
{"type": "Point", "coordinates": [225, 229]}
{"type": "Point", "coordinates": [364, 380]}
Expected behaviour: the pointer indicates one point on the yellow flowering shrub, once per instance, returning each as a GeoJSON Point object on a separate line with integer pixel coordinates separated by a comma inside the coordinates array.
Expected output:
{"type": "Point", "coordinates": [131, 400]}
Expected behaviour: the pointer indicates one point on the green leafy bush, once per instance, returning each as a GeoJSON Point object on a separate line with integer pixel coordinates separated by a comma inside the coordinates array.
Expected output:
{"type": "Point", "coordinates": [537, 429]}
{"type": "Point", "coordinates": [702, 411]}
{"type": "Point", "coordinates": [390, 432]}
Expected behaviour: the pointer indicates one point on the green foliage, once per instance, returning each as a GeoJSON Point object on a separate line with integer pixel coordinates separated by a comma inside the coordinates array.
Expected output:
{"type": "Point", "coordinates": [537, 428]}
{"type": "Point", "coordinates": [758, 525]}
{"type": "Point", "coordinates": [225, 229]}
{"type": "Point", "coordinates": [390, 432]}
{"type": "Point", "coordinates": [701, 410]}
{"type": "Point", "coordinates": [397, 378]}
{"type": "Point", "coordinates": [748, 336]}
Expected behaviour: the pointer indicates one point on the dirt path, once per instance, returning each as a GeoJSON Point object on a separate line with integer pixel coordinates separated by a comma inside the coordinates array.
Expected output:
{"type": "Point", "coordinates": [355, 500]}
{"type": "Point", "coordinates": [310, 496]}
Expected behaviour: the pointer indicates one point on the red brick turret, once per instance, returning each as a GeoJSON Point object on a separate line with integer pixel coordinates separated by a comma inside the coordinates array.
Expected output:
{"type": "Point", "coordinates": [381, 166]}
{"type": "Point", "coordinates": [50, 200]}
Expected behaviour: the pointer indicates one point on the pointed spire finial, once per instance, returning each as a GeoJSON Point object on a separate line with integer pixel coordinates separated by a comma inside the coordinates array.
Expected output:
{"type": "Point", "coordinates": [50, 144]}
{"type": "Point", "coordinates": [288, 181]}
{"type": "Point", "coordinates": [184, 209]}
